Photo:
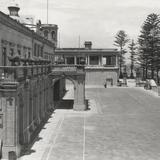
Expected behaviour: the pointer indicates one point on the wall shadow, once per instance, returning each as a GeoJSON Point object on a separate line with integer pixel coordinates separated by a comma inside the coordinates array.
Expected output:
{"type": "Point", "coordinates": [27, 149]}
{"type": "Point", "coordinates": [68, 104]}
{"type": "Point", "coordinates": [65, 104]}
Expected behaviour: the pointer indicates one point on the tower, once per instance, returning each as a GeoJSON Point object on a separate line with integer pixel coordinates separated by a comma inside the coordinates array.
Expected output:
{"type": "Point", "coordinates": [50, 32]}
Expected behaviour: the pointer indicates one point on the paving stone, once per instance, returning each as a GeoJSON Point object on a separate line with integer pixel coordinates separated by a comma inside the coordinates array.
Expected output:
{"type": "Point", "coordinates": [124, 124]}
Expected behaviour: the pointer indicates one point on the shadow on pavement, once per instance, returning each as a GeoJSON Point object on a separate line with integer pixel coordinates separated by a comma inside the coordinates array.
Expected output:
{"type": "Point", "coordinates": [68, 104]}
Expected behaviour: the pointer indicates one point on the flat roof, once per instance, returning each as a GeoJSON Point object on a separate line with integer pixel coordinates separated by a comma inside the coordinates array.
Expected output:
{"type": "Point", "coordinates": [70, 51]}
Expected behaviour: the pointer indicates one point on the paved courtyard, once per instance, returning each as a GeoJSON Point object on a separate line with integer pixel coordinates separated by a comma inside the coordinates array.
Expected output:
{"type": "Point", "coordinates": [121, 124]}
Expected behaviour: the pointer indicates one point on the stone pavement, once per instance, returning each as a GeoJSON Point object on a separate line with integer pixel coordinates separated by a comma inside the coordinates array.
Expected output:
{"type": "Point", "coordinates": [122, 124]}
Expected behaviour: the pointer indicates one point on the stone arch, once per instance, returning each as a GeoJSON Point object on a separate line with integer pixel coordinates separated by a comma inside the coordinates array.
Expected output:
{"type": "Point", "coordinates": [63, 77]}
{"type": "Point", "coordinates": [53, 35]}
{"type": "Point", "coordinates": [56, 86]}
{"type": "Point", "coordinates": [79, 89]}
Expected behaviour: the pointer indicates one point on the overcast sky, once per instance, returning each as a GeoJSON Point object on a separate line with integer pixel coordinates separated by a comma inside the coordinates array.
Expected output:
{"type": "Point", "coordinates": [94, 20]}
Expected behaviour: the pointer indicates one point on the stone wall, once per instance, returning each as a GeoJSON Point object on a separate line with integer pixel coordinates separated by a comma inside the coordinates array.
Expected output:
{"type": "Point", "coordinates": [25, 104]}
{"type": "Point", "coordinates": [98, 76]}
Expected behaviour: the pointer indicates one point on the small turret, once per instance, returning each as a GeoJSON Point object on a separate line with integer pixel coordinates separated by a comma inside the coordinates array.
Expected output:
{"type": "Point", "coordinates": [13, 9]}
{"type": "Point", "coordinates": [49, 32]}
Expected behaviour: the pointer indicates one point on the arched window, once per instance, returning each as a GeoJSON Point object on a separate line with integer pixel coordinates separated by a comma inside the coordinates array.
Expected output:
{"type": "Point", "coordinates": [11, 52]}
{"type": "Point", "coordinates": [46, 33]}
{"type": "Point", "coordinates": [4, 56]}
{"type": "Point", "coordinates": [53, 35]}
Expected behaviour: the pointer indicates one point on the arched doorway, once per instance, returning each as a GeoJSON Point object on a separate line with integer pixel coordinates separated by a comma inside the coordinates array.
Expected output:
{"type": "Point", "coordinates": [56, 91]}
{"type": "Point", "coordinates": [78, 83]}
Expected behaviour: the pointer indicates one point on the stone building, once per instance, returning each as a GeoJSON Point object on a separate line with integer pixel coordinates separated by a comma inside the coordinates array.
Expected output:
{"type": "Point", "coordinates": [18, 40]}
{"type": "Point", "coordinates": [101, 65]}
{"type": "Point", "coordinates": [34, 91]}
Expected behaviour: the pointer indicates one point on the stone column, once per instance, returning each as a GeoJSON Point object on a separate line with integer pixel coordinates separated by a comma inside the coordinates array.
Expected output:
{"type": "Point", "coordinates": [79, 94]}
{"type": "Point", "coordinates": [75, 60]}
{"type": "Point", "coordinates": [65, 60]}
{"type": "Point", "coordinates": [88, 60]}
{"type": "Point", "coordinates": [37, 102]}
{"type": "Point", "coordinates": [42, 98]}
{"type": "Point", "coordinates": [100, 60]}
{"type": "Point", "coordinates": [45, 96]}
{"type": "Point", "coordinates": [40, 104]}
{"type": "Point", "coordinates": [27, 133]}
{"type": "Point", "coordinates": [10, 122]}
{"type": "Point", "coordinates": [32, 107]}
{"type": "Point", "coordinates": [50, 93]}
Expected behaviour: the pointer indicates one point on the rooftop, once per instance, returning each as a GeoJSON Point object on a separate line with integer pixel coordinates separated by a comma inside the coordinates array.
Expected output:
{"type": "Point", "coordinates": [82, 49]}
{"type": "Point", "coordinates": [71, 51]}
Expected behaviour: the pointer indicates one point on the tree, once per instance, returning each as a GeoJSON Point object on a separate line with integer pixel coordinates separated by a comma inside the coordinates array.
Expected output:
{"type": "Point", "coordinates": [149, 44]}
{"type": "Point", "coordinates": [132, 47]}
{"type": "Point", "coordinates": [121, 40]}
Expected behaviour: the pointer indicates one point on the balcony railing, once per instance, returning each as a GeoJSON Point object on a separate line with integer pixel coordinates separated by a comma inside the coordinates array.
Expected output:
{"type": "Point", "coordinates": [18, 73]}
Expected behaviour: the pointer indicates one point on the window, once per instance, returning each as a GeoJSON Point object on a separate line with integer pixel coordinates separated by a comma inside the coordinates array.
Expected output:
{"type": "Point", "coordinates": [11, 52]}
{"type": "Point", "coordinates": [81, 60]}
{"type": "Point", "coordinates": [109, 60]}
{"type": "Point", "coordinates": [41, 51]}
{"type": "Point", "coordinates": [53, 35]}
{"type": "Point", "coordinates": [35, 49]}
{"type": "Point", "coordinates": [19, 52]}
{"type": "Point", "coordinates": [38, 50]}
{"type": "Point", "coordinates": [46, 34]}
{"type": "Point", "coordinates": [70, 60]}
{"type": "Point", "coordinates": [29, 54]}
{"type": "Point", "coordinates": [4, 56]}
{"type": "Point", "coordinates": [94, 60]}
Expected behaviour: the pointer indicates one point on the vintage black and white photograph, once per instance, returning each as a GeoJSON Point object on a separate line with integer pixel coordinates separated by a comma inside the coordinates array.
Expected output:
{"type": "Point", "coordinates": [79, 80]}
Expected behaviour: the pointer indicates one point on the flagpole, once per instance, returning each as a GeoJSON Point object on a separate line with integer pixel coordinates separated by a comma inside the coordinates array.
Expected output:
{"type": "Point", "coordinates": [47, 11]}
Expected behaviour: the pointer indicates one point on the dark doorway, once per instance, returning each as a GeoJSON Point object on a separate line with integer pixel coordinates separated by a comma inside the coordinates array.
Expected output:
{"type": "Point", "coordinates": [56, 91]}
{"type": "Point", "coordinates": [66, 104]}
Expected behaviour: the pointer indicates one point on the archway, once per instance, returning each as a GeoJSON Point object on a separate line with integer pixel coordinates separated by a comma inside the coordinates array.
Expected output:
{"type": "Point", "coordinates": [56, 91]}
{"type": "Point", "coordinates": [79, 89]}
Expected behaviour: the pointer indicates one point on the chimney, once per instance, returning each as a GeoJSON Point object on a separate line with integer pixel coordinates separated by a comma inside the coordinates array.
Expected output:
{"type": "Point", "coordinates": [88, 45]}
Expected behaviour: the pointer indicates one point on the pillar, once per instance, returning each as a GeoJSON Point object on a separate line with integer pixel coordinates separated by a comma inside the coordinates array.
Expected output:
{"type": "Point", "coordinates": [27, 133]}
{"type": "Point", "coordinates": [51, 93]}
{"type": "Point", "coordinates": [37, 102]}
{"type": "Point", "coordinates": [100, 60]}
{"type": "Point", "coordinates": [45, 97]}
{"type": "Point", "coordinates": [65, 60]}
{"type": "Point", "coordinates": [79, 94]}
{"type": "Point", "coordinates": [75, 60]}
{"type": "Point", "coordinates": [10, 108]}
{"type": "Point", "coordinates": [88, 57]}
{"type": "Point", "coordinates": [31, 107]}
{"type": "Point", "coordinates": [42, 98]}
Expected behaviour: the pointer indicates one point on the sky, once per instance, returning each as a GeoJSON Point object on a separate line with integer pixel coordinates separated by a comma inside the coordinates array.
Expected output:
{"type": "Point", "coordinates": [91, 20]}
